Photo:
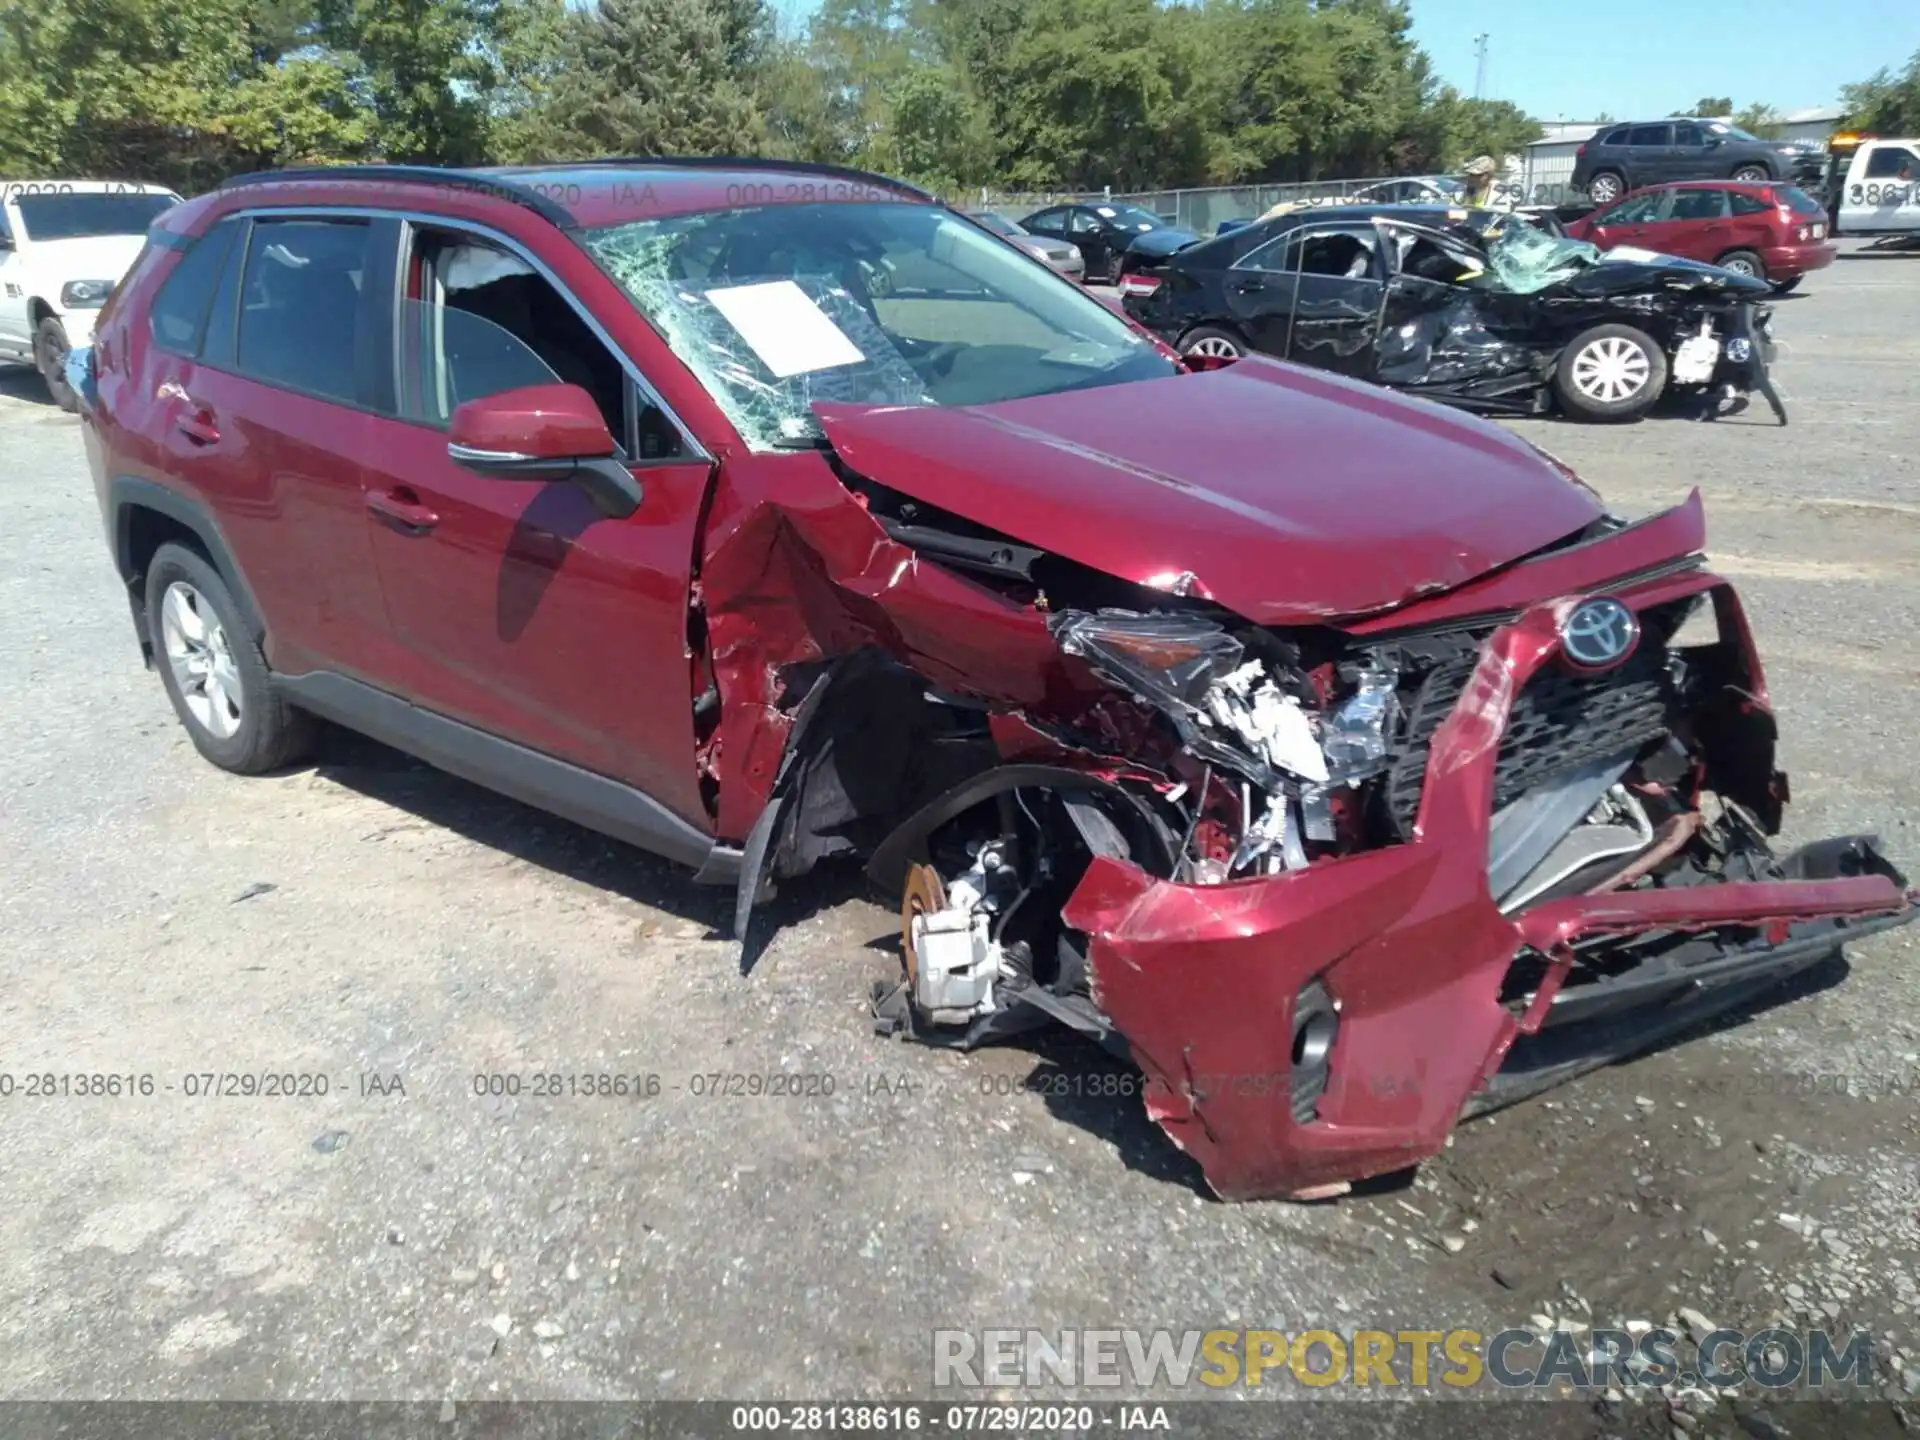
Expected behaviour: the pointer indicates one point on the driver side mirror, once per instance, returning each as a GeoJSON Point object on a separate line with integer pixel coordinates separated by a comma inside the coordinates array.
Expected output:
{"type": "Point", "coordinates": [542, 433]}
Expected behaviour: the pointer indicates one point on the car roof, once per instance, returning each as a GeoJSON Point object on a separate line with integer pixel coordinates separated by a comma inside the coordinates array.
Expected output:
{"type": "Point", "coordinates": [1752, 187]}
{"type": "Point", "coordinates": [590, 193]}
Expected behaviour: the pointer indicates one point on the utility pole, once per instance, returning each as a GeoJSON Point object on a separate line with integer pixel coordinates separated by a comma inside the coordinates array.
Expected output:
{"type": "Point", "coordinates": [1480, 66]}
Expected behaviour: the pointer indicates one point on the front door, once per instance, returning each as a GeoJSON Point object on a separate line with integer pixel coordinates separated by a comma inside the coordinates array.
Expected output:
{"type": "Point", "coordinates": [1694, 224]}
{"type": "Point", "coordinates": [523, 609]}
{"type": "Point", "coordinates": [1628, 222]}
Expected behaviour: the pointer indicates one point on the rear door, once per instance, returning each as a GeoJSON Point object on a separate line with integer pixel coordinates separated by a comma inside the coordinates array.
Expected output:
{"type": "Point", "coordinates": [522, 609]}
{"type": "Point", "coordinates": [1258, 289]}
{"type": "Point", "coordinates": [262, 410]}
{"type": "Point", "coordinates": [1649, 154]}
{"type": "Point", "coordinates": [1692, 223]}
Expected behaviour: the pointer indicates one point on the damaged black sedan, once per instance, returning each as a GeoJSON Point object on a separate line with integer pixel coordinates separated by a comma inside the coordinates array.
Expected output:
{"type": "Point", "coordinates": [1472, 308]}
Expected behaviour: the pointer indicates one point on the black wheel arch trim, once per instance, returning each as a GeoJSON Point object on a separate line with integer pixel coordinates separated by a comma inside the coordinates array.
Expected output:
{"type": "Point", "coordinates": [599, 802]}
{"type": "Point", "coordinates": [129, 493]}
{"type": "Point", "coordinates": [888, 866]}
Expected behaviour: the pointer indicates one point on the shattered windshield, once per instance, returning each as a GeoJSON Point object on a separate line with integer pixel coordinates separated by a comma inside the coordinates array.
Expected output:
{"type": "Point", "coordinates": [1524, 259]}
{"type": "Point", "coordinates": [776, 307]}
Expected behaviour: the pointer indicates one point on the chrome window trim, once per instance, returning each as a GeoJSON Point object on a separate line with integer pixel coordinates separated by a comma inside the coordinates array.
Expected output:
{"type": "Point", "coordinates": [414, 218]}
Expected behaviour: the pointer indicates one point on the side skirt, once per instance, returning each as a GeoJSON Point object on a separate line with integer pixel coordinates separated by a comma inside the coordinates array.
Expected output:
{"type": "Point", "coordinates": [595, 801]}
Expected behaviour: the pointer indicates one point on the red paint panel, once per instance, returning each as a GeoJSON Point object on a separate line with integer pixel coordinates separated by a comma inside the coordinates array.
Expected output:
{"type": "Point", "coordinates": [1291, 495]}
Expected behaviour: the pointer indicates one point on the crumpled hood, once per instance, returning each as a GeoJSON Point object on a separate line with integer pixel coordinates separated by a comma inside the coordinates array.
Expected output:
{"type": "Point", "coordinates": [1291, 496]}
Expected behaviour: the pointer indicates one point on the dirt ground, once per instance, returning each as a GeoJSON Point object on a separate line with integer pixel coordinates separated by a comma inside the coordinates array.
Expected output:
{"type": "Point", "coordinates": [410, 944]}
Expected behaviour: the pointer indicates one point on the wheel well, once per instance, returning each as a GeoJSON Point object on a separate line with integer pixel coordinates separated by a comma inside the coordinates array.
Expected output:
{"type": "Point", "coordinates": [146, 530]}
{"type": "Point", "coordinates": [38, 310]}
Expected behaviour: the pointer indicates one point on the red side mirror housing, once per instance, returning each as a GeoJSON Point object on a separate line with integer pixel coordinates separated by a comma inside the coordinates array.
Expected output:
{"type": "Point", "coordinates": [542, 433]}
{"type": "Point", "coordinates": [536, 422]}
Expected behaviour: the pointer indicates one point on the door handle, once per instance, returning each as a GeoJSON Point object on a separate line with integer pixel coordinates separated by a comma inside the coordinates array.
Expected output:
{"type": "Point", "coordinates": [402, 509]}
{"type": "Point", "coordinates": [197, 425]}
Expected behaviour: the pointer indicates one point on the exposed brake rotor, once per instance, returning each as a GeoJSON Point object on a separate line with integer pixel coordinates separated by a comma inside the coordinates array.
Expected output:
{"type": "Point", "coordinates": [925, 893]}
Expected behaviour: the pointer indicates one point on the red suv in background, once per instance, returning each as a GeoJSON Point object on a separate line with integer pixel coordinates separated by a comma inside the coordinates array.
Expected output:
{"type": "Point", "coordinates": [1773, 231]}
{"type": "Point", "coordinates": [1336, 758]}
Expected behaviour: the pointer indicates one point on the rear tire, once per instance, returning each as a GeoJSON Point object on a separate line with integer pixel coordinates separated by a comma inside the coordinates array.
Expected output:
{"type": "Point", "coordinates": [50, 358]}
{"type": "Point", "coordinates": [1752, 175]}
{"type": "Point", "coordinates": [1609, 374]}
{"type": "Point", "coordinates": [213, 670]}
{"type": "Point", "coordinates": [1212, 340]}
{"type": "Point", "coordinates": [1743, 262]}
{"type": "Point", "coordinates": [1606, 187]}
{"type": "Point", "coordinates": [1782, 287]}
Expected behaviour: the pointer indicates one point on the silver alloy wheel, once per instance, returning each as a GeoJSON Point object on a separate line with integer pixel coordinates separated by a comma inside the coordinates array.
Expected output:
{"type": "Point", "coordinates": [202, 664]}
{"type": "Point", "coordinates": [1740, 265]}
{"type": "Point", "coordinates": [1604, 190]}
{"type": "Point", "coordinates": [1215, 346]}
{"type": "Point", "coordinates": [1611, 369]}
{"type": "Point", "coordinates": [1752, 174]}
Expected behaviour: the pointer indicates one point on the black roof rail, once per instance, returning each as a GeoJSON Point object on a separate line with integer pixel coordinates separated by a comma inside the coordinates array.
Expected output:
{"type": "Point", "coordinates": [469, 180]}
{"type": "Point", "coordinates": [745, 162]}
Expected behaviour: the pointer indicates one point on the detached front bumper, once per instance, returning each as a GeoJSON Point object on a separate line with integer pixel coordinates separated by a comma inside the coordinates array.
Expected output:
{"type": "Point", "coordinates": [1407, 947]}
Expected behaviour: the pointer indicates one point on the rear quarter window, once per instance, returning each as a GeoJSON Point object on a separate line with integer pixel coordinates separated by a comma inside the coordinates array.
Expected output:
{"type": "Point", "coordinates": [179, 314]}
{"type": "Point", "coordinates": [1798, 201]}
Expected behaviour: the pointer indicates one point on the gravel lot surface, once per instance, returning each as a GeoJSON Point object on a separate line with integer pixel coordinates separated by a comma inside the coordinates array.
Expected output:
{"type": "Point", "coordinates": [399, 933]}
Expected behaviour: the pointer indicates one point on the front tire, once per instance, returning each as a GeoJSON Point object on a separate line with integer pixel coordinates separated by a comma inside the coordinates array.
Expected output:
{"type": "Point", "coordinates": [50, 349]}
{"type": "Point", "coordinates": [1606, 187]}
{"type": "Point", "coordinates": [213, 670]}
{"type": "Point", "coordinates": [1782, 287]}
{"type": "Point", "coordinates": [1743, 262]}
{"type": "Point", "coordinates": [1610, 373]}
{"type": "Point", "coordinates": [1213, 341]}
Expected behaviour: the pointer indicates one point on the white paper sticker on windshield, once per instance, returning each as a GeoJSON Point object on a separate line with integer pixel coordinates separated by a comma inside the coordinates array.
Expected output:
{"type": "Point", "coordinates": [789, 333]}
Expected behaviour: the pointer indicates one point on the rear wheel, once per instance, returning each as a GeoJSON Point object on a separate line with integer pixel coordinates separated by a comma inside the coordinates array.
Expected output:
{"type": "Point", "coordinates": [1610, 373]}
{"type": "Point", "coordinates": [1752, 175]}
{"type": "Point", "coordinates": [1743, 262]}
{"type": "Point", "coordinates": [215, 675]}
{"type": "Point", "coordinates": [50, 355]}
{"type": "Point", "coordinates": [1606, 187]}
{"type": "Point", "coordinates": [1211, 341]}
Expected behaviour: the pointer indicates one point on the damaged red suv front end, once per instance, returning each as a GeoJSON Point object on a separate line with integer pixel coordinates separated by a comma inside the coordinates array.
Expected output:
{"type": "Point", "coordinates": [1335, 758]}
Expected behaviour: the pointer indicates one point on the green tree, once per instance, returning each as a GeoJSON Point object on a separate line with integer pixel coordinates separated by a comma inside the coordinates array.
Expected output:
{"type": "Point", "coordinates": [422, 68]}
{"type": "Point", "coordinates": [1759, 119]}
{"type": "Point", "coordinates": [1709, 106]}
{"type": "Point", "coordinates": [648, 77]}
{"type": "Point", "coordinates": [1887, 102]}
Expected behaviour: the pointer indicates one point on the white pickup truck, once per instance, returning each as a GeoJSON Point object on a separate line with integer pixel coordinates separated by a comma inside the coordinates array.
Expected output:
{"type": "Point", "coordinates": [1874, 186]}
{"type": "Point", "coordinates": [64, 245]}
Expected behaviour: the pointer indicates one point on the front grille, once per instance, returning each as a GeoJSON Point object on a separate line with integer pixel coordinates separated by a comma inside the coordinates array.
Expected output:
{"type": "Point", "coordinates": [1559, 720]}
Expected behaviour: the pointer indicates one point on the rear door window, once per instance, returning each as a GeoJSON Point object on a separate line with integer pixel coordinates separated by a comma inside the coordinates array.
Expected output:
{"type": "Point", "coordinates": [1698, 205]}
{"type": "Point", "coordinates": [179, 315]}
{"type": "Point", "coordinates": [1745, 204]}
{"type": "Point", "coordinates": [301, 317]}
{"type": "Point", "coordinates": [1650, 135]}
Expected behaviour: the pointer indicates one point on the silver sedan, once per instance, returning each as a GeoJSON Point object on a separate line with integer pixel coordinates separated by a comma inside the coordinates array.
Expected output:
{"type": "Point", "coordinates": [1059, 254]}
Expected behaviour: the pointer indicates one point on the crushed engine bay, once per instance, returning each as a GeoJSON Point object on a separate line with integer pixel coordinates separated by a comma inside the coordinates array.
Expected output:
{"type": "Point", "coordinates": [1330, 879]}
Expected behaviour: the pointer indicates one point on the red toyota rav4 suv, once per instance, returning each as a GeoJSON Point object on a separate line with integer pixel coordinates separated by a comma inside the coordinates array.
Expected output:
{"type": "Point", "coordinates": [1333, 756]}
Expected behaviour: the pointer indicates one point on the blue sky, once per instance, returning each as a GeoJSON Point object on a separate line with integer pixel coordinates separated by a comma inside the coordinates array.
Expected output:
{"type": "Point", "coordinates": [1572, 59]}
{"type": "Point", "coordinates": [1634, 58]}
